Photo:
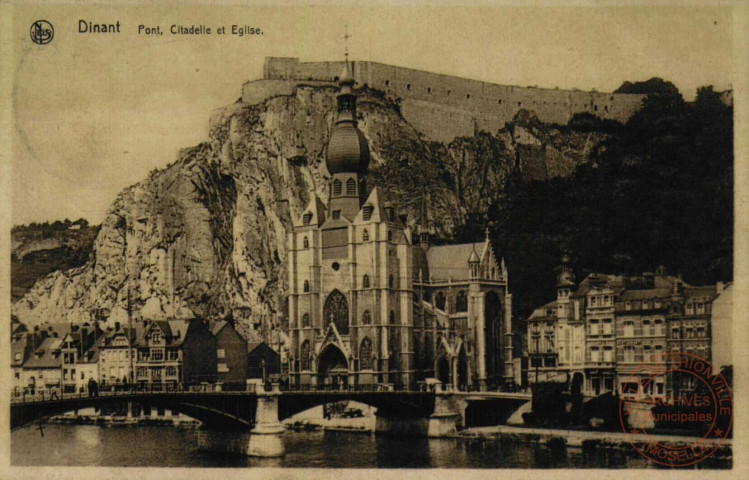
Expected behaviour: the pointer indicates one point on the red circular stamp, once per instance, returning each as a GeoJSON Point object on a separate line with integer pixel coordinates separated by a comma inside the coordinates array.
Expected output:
{"type": "Point", "coordinates": [676, 409]}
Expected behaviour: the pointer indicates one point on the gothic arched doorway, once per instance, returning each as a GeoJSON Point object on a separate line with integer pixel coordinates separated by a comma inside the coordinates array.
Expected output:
{"type": "Point", "coordinates": [336, 311]}
{"type": "Point", "coordinates": [332, 368]}
{"type": "Point", "coordinates": [493, 337]}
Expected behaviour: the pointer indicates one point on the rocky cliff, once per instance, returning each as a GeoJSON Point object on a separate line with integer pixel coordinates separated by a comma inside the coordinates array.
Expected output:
{"type": "Point", "coordinates": [207, 234]}
{"type": "Point", "coordinates": [36, 250]}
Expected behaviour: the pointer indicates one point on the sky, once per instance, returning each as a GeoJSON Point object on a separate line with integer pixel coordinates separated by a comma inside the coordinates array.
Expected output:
{"type": "Point", "coordinates": [94, 113]}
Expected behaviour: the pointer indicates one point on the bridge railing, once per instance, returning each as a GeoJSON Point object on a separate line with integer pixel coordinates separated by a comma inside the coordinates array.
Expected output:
{"type": "Point", "coordinates": [51, 394]}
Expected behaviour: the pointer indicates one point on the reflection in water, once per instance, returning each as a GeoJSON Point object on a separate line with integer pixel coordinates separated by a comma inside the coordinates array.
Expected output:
{"type": "Point", "coordinates": [167, 446]}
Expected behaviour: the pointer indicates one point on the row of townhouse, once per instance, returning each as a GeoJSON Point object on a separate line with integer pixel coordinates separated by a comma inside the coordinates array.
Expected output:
{"type": "Point", "coordinates": [602, 333]}
{"type": "Point", "coordinates": [155, 355]}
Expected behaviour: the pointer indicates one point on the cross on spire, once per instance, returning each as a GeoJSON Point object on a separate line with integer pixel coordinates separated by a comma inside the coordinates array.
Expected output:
{"type": "Point", "coordinates": [345, 37]}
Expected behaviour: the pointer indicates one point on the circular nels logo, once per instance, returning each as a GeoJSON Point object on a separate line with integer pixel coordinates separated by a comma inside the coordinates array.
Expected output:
{"type": "Point", "coordinates": [42, 32]}
{"type": "Point", "coordinates": [696, 414]}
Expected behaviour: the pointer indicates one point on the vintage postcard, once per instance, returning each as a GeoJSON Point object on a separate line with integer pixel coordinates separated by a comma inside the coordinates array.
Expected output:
{"type": "Point", "coordinates": [334, 236]}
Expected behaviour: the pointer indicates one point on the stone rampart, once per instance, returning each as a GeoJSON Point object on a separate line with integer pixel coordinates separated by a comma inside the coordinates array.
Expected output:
{"type": "Point", "coordinates": [444, 106]}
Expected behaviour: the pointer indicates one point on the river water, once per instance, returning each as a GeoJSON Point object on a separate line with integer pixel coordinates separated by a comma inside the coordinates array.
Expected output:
{"type": "Point", "coordinates": [142, 446]}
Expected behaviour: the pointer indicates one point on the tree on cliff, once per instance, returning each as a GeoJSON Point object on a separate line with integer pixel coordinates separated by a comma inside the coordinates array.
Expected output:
{"type": "Point", "coordinates": [660, 194]}
{"type": "Point", "coordinates": [654, 86]}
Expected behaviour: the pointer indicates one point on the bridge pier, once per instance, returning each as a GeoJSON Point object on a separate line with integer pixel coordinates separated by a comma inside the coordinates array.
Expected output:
{"type": "Point", "coordinates": [266, 438]}
{"type": "Point", "coordinates": [446, 417]}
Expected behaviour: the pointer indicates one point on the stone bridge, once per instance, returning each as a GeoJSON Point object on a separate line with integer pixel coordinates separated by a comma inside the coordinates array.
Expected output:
{"type": "Point", "coordinates": [435, 413]}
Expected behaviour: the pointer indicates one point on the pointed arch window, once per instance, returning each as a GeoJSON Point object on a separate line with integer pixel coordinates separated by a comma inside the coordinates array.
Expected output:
{"type": "Point", "coordinates": [365, 281]}
{"type": "Point", "coordinates": [439, 301]}
{"type": "Point", "coordinates": [351, 187]}
{"type": "Point", "coordinates": [306, 243]}
{"type": "Point", "coordinates": [365, 236]}
{"type": "Point", "coordinates": [392, 317]}
{"type": "Point", "coordinates": [304, 354]}
{"type": "Point", "coordinates": [390, 235]}
{"type": "Point", "coordinates": [306, 286]}
{"type": "Point", "coordinates": [365, 354]}
{"type": "Point", "coordinates": [366, 318]}
{"type": "Point", "coordinates": [305, 320]}
{"type": "Point", "coordinates": [337, 185]}
{"type": "Point", "coordinates": [391, 281]}
{"type": "Point", "coordinates": [461, 302]}
{"type": "Point", "coordinates": [336, 311]}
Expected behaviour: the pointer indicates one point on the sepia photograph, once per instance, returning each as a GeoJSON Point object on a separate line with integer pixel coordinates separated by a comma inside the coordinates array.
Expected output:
{"type": "Point", "coordinates": [369, 236]}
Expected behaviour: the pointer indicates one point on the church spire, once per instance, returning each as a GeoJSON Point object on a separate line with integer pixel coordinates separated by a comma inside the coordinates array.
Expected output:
{"type": "Point", "coordinates": [347, 156]}
{"type": "Point", "coordinates": [346, 36]}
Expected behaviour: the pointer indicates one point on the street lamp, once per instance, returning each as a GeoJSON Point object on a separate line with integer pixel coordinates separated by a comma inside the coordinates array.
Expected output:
{"type": "Point", "coordinates": [536, 334]}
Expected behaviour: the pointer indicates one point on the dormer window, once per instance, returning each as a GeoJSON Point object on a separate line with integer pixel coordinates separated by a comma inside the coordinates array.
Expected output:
{"type": "Point", "coordinates": [337, 185]}
{"type": "Point", "coordinates": [367, 213]}
{"type": "Point", "coordinates": [350, 187]}
{"type": "Point", "coordinates": [307, 218]}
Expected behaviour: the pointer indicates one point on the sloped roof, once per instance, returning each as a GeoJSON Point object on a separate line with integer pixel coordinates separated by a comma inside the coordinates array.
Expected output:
{"type": "Point", "coordinates": [18, 346]}
{"type": "Point", "coordinates": [447, 261]}
{"type": "Point", "coordinates": [177, 332]}
{"type": "Point", "coordinates": [217, 326]}
{"type": "Point", "coordinates": [47, 355]}
{"type": "Point", "coordinates": [61, 329]}
{"type": "Point", "coordinates": [317, 208]}
{"type": "Point", "coordinates": [333, 223]}
{"type": "Point", "coordinates": [91, 355]}
{"type": "Point", "coordinates": [540, 312]}
{"type": "Point", "coordinates": [378, 200]}
{"type": "Point", "coordinates": [648, 294]}
{"type": "Point", "coordinates": [707, 291]}
{"type": "Point", "coordinates": [174, 331]}
{"type": "Point", "coordinates": [599, 280]}
{"type": "Point", "coordinates": [252, 346]}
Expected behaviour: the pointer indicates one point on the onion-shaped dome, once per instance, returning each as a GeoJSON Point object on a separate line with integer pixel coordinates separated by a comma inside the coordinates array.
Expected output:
{"type": "Point", "coordinates": [348, 150]}
{"type": "Point", "coordinates": [565, 278]}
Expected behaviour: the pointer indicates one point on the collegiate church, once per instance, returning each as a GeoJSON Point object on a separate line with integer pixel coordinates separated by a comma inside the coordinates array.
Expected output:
{"type": "Point", "coordinates": [369, 305]}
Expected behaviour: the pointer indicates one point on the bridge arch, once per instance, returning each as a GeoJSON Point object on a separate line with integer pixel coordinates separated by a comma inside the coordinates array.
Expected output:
{"type": "Point", "coordinates": [229, 412]}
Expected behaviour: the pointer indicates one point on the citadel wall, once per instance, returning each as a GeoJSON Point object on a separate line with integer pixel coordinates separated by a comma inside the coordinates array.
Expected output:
{"type": "Point", "coordinates": [444, 106]}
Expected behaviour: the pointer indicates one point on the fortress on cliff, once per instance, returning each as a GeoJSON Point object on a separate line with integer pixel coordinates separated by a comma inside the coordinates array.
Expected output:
{"type": "Point", "coordinates": [443, 106]}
